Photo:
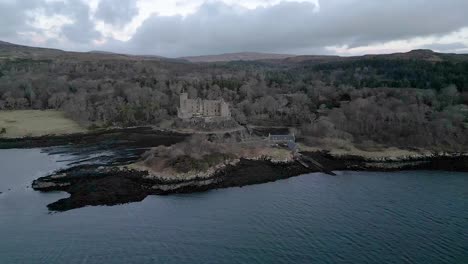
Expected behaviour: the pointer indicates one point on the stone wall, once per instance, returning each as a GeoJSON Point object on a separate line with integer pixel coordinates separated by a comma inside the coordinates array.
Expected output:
{"type": "Point", "coordinates": [190, 108]}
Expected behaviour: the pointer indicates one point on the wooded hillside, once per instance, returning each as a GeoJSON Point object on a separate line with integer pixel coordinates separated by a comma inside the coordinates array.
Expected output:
{"type": "Point", "coordinates": [416, 99]}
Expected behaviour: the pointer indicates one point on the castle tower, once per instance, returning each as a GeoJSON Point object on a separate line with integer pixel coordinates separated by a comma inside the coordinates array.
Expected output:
{"type": "Point", "coordinates": [224, 110]}
{"type": "Point", "coordinates": [182, 110]}
{"type": "Point", "coordinates": [183, 98]}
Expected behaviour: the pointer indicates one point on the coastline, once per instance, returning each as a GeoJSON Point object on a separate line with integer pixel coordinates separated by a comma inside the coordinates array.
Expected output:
{"type": "Point", "coordinates": [131, 136]}
{"type": "Point", "coordinates": [123, 178]}
{"type": "Point", "coordinates": [92, 185]}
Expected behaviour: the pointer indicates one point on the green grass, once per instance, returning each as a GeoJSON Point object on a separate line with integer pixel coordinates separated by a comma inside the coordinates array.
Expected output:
{"type": "Point", "coordinates": [26, 123]}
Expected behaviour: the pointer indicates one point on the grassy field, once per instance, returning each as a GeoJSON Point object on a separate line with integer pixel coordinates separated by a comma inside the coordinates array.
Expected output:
{"type": "Point", "coordinates": [22, 123]}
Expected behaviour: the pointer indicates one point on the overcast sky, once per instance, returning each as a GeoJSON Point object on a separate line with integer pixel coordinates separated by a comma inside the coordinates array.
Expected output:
{"type": "Point", "coordinates": [198, 27]}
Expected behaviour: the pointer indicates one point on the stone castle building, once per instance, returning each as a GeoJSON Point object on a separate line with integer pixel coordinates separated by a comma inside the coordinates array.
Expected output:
{"type": "Point", "coordinates": [207, 109]}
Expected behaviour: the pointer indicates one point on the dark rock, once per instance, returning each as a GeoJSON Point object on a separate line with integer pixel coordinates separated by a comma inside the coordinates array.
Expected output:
{"type": "Point", "coordinates": [94, 185]}
{"type": "Point", "coordinates": [101, 191]}
{"type": "Point", "coordinates": [138, 137]}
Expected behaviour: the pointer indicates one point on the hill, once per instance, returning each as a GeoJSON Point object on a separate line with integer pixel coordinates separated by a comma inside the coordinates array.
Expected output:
{"type": "Point", "coordinates": [240, 56]}
{"type": "Point", "coordinates": [10, 50]}
{"type": "Point", "coordinates": [416, 99]}
{"type": "Point", "coordinates": [418, 55]}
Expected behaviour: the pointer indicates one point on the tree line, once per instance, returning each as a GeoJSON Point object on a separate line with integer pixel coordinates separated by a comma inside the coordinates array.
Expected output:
{"type": "Point", "coordinates": [392, 102]}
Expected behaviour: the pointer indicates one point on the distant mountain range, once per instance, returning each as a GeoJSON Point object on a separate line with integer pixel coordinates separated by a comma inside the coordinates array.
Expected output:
{"type": "Point", "coordinates": [244, 56]}
{"type": "Point", "coordinates": [14, 50]}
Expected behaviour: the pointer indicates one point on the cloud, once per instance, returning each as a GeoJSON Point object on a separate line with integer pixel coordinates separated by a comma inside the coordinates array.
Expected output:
{"type": "Point", "coordinates": [82, 29]}
{"type": "Point", "coordinates": [116, 13]}
{"type": "Point", "coordinates": [446, 47]}
{"type": "Point", "coordinates": [364, 22]}
{"type": "Point", "coordinates": [219, 26]}
{"type": "Point", "coordinates": [14, 17]}
{"type": "Point", "coordinates": [21, 22]}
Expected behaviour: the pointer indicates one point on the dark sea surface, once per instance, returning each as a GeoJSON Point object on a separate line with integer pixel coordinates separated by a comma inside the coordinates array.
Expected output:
{"type": "Point", "coordinates": [355, 217]}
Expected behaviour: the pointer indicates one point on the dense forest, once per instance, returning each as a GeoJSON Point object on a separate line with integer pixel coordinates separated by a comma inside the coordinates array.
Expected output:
{"type": "Point", "coordinates": [403, 100]}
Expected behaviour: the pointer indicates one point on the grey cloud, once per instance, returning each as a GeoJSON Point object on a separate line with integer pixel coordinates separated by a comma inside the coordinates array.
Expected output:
{"type": "Point", "coordinates": [13, 17]}
{"type": "Point", "coordinates": [82, 30]}
{"type": "Point", "coordinates": [288, 27]}
{"type": "Point", "coordinates": [217, 28]}
{"type": "Point", "coordinates": [364, 22]}
{"type": "Point", "coordinates": [116, 12]}
{"type": "Point", "coordinates": [449, 47]}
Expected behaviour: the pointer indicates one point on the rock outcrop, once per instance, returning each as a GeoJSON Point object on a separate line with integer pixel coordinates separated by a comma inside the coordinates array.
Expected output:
{"type": "Point", "coordinates": [93, 185]}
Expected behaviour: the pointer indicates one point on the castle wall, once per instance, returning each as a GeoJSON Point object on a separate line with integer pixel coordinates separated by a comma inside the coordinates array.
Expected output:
{"type": "Point", "coordinates": [211, 108]}
{"type": "Point", "coordinates": [202, 108]}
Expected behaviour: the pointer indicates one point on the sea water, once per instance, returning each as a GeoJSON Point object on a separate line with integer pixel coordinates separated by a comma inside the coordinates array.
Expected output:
{"type": "Point", "coordinates": [355, 217]}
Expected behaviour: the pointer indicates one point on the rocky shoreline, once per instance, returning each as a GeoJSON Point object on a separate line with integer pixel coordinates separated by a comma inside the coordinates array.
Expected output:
{"type": "Point", "coordinates": [99, 185]}
{"type": "Point", "coordinates": [103, 173]}
{"type": "Point", "coordinates": [133, 137]}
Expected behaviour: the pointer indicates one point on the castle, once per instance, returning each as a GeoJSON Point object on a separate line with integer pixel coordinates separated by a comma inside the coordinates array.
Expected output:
{"type": "Point", "coordinates": [207, 109]}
